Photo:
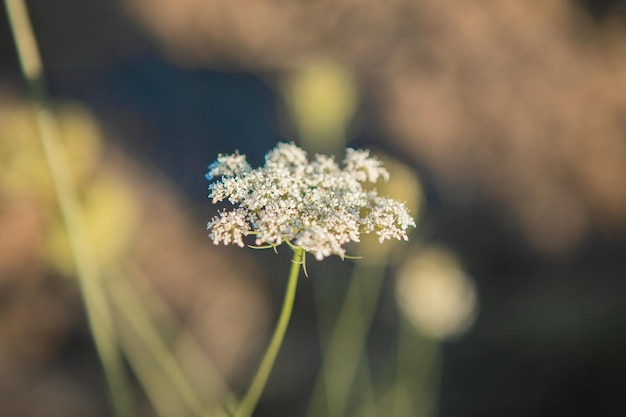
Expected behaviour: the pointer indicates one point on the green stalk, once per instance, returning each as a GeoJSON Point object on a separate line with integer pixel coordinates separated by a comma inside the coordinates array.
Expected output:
{"type": "Point", "coordinates": [250, 400]}
{"type": "Point", "coordinates": [97, 309]}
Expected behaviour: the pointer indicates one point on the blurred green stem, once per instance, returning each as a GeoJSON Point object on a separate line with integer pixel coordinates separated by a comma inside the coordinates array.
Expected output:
{"type": "Point", "coordinates": [418, 373]}
{"type": "Point", "coordinates": [130, 306]}
{"type": "Point", "coordinates": [98, 313]}
{"type": "Point", "coordinates": [346, 345]}
{"type": "Point", "coordinates": [149, 303]}
{"type": "Point", "coordinates": [250, 400]}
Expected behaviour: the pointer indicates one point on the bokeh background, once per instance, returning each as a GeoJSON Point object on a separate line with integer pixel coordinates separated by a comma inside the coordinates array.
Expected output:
{"type": "Point", "coordinates": [503, 124]}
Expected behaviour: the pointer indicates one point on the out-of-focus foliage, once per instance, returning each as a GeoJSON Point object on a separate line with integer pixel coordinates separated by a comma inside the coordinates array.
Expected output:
{"type": "Point", "coordinates": [153, 258]}
{"type": "Point", "coordinates": [110, 210]}
{"type": "Point", "coordinates": [321, 96]}
{"type": "Point", "coordinates": [24, 169]}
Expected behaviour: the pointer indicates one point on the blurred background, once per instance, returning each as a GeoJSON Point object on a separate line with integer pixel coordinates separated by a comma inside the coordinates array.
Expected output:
{"type": "Point", "coordinates": [503, 124]}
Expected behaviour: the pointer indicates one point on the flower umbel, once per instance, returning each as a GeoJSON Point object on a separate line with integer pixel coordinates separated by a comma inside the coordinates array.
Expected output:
{"type": "Point", "coordinates": [314, 205]}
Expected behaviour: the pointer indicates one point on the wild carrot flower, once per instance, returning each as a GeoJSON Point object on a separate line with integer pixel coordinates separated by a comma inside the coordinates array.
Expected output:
{"type": "Point", "coordinates": [314, 205]}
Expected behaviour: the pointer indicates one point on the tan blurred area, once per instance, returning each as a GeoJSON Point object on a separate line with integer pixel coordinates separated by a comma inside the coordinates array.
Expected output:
{"type": "Point", "coordinates": [208, 303]}
{"type": "Point", "coordinates": [518, 102]}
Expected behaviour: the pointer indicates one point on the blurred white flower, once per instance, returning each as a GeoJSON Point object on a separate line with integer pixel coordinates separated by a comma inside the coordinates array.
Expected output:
{"type": "Point", "coordinates": [436, 295]}
{"type": "Point", "coordinates": [314, 205]}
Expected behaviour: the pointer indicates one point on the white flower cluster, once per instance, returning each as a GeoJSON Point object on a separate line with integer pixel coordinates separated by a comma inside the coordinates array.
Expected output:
{"type": "Point", "coordinates": [314, 205]}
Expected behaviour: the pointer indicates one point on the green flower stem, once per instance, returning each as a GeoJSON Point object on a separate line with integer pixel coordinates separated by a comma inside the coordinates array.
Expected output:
{"type": "Point", "coordinates": [250, 400]}
{"type": "Point", "coordinates": [97, 309]}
